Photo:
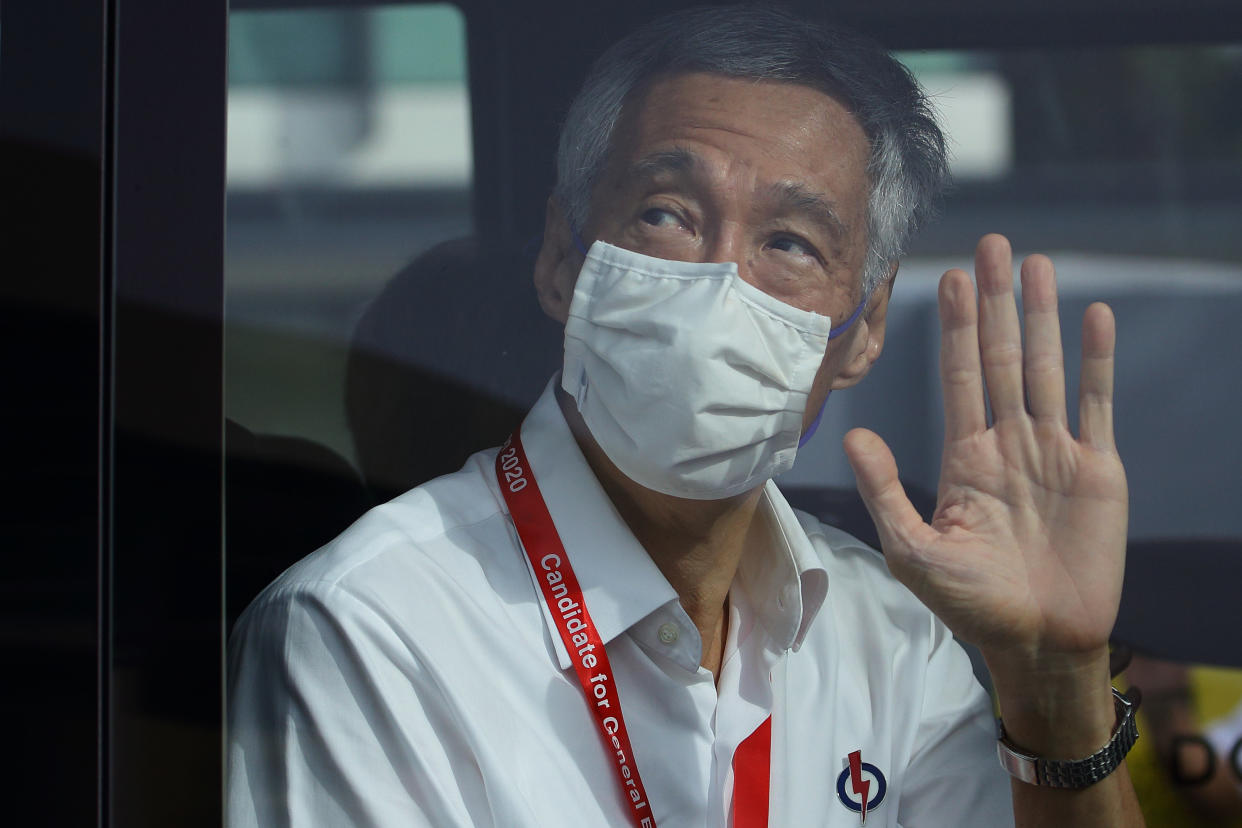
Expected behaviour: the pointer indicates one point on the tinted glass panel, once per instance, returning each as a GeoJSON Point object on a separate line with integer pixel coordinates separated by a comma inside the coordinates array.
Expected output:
{"type": "Point", "coordinates": [349, 153]}
{"type": "Point", "coordinates": [1125, 165]}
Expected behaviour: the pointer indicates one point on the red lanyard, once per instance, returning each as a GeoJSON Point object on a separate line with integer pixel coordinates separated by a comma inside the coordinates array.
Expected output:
{"type": "Point", "coordinates": [563, 596]}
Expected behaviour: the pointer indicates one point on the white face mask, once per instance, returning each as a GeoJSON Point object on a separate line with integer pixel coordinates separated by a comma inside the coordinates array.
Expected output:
{"type": "Point", "coordinates": [692, 381]}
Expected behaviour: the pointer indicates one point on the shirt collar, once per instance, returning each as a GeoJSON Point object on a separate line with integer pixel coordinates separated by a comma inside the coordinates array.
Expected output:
{"type": "Point", "coordinates": [786, 587]}
{"type": "Point", "coordinates": [620, 583]}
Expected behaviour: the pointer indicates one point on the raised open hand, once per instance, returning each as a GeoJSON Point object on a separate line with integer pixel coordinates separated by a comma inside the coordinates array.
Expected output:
{"type": "Point", "coordinates": [1025, 553]}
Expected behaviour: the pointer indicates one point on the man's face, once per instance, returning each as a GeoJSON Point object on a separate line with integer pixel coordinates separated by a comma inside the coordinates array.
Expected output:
{"type": "Point", "coordinates": [769, 175]}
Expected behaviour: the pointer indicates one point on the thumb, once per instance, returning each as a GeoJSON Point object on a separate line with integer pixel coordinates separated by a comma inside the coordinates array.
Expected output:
{"type": "Point", "coordinates": [895, 517]}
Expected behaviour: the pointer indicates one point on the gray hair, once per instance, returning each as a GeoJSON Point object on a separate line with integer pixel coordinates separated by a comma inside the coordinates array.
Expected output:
{"type": "Point", "coordinates": [907, 168]}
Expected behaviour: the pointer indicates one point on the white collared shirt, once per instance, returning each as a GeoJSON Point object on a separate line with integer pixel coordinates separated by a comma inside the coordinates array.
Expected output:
{"type": "Point", "coordinates": [409, 674]}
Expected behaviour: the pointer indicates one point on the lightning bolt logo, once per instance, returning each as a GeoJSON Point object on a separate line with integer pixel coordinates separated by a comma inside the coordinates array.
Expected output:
{"type": "Point", "coordinates": [861, 787]}
{"type": "Point", "coordinates": [863, 794]}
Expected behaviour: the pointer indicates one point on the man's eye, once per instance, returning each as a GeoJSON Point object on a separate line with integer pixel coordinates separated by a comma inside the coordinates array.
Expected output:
{"type": "Point", "coordinates": [796, 246]}
{"type": "Point", "coordinates": [658, 217]}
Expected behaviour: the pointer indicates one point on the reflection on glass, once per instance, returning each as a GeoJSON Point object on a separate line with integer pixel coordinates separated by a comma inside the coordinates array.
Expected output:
{"type": "Point", "coordinates": [349, 174]}
{"type": "Point", "coordinates": [1125, 164]}
{"type": "Point", "coordinates": [349, 153]}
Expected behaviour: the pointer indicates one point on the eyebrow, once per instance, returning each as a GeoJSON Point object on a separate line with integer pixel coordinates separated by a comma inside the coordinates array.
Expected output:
{"type": "Point", "coordinates": [789, 196]}
{"type": "Point", "coordinates": [794, 197]}
{"type": "Point", "coordinates": [676, 160]}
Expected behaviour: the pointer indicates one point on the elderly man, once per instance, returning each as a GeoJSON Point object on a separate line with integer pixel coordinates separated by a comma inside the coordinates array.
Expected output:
{"type": "Point", "coordinates": [616, 618]}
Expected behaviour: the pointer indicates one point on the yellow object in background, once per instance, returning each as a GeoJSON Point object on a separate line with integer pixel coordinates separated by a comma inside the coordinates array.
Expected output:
{"type": "Point", "coordinates": [1217, 692]}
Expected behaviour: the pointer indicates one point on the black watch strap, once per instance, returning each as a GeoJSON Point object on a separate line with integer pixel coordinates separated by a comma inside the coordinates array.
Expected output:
{"type": "Point", "coordinates": [1073, 773]}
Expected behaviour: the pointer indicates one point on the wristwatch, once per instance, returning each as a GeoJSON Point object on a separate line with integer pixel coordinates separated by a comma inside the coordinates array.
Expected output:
{"type": "Point", "coordinates": [1072, 773]}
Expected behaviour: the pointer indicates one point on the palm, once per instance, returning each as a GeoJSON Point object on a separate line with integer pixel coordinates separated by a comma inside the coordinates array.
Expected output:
{"type": "Point", "coordinates": [1026, 548]}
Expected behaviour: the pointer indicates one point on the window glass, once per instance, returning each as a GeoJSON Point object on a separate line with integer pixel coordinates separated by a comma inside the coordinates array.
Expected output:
{"type": "Point", "coordinates": [349, 154]}
{"type": "Point", "coordinates": [350, 173]}
{"type": "Point", "coordinates": [1099, 108]}
{"type": "Point", "coordinates": [1125, 165]}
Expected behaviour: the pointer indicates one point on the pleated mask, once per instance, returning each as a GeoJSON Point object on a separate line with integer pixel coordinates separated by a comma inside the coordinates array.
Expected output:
{"type": "Point", "coordinates": [692, 381]}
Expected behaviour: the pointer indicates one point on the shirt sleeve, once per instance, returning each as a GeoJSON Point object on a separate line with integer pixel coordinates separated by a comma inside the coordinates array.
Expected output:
{"type": "Point", "coordinates": [954, 777]}
{"type": "Point", "coordinates": [333, 720]}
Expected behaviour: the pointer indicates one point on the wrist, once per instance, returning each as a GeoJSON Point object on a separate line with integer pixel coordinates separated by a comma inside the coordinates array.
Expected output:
{"type": "Point", "coordinates": [1058, 706]}
{"type": "Point", "coordinates": [1077, 773]}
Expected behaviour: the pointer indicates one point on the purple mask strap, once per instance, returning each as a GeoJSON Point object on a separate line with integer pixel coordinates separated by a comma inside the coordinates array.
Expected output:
{"type": "Point", "coordinates": [845, 326]}
{"type": "Point", "coordinates": [832, 334]}
{"type": "Point", "coordinates": [578, 242]}
{"type": "Point", "coordinates": [810, 432]}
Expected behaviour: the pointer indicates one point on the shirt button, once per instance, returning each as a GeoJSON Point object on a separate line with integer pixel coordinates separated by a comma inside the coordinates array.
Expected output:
{"type": "Point", "coordinates": [668, 633]}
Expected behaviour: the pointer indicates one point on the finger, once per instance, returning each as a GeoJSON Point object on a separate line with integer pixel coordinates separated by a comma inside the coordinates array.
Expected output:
{"type": "Point", "coordinates": [1043, 363]}
{"type": "Point", "coordinates": [1000, 337]}
{"type": "Point", "coordinates": [961, 377]}
{"type": "Point", "coordinates": [895, 517]}
{"type": "Point", "coordinates": [1095, 390]}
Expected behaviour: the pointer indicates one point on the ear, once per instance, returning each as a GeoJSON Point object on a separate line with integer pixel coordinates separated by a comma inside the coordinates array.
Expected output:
{"type": "Point", "coordinates": [557, 266]}
{"type": "Point", "coordinates": [873, 325]}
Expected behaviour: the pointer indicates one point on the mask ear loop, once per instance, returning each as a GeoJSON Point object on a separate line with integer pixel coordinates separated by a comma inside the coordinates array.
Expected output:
{"type": "Point", "coordinates": [845, 326]}
{"type": "Point", "coordinates": [833, 334]}
{"type": "Point", "coordinates": [578, 242]}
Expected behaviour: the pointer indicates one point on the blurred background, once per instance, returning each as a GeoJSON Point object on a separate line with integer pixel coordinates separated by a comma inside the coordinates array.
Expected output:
{"type": "Point", "coordinates": [267, 263]}
{"type": "Point", "coordinates": [350, 153]}
{"type": "Point", "coordinates": [359, 262]}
